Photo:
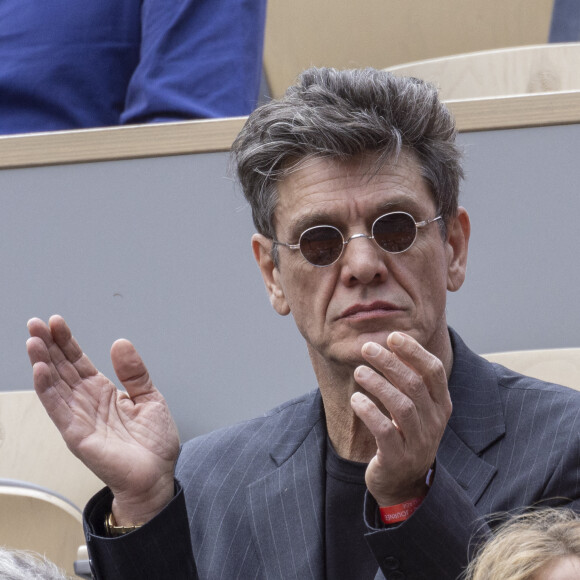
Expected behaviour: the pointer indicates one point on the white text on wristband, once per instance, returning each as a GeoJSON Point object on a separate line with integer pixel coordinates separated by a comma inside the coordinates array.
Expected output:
{"type": "Point", "coordinates": [394, 514]}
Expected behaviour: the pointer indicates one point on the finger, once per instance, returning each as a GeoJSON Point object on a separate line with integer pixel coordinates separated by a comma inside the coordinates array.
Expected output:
{"type": "Point", "coordinates": [38, 329]}
{"type": "Point", "coordinates": [53, 391]}
{"type": "Point", "coordinates": [53, 398]}
{"type": "Point", "coordinates": [70, 348]}
{"type": "Point", "coordinates": [62, 352]}
{"type": "Point", "coordinates": [45, 374]}
{"type": "Point", "coordinates": [376, 421]}
{"type": "Point", "coordinates": [411, 368]}
{"type": "Point", "coordinates": [425, 364]}
{"type": "Point", "coordinates": [132, 372]}
{"type": "Point", "coordinates": [399, 374]}
{"type": "Point", "coordinates": [403, 412]}
{"type": "Point", "coordinates": [37, 350]}
{"type": "Point", "coordinates": [38, 353]}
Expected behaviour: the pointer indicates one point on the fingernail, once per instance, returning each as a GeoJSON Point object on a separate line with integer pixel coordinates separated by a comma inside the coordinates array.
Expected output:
{"type": "Point", "coordinates": [396, 339]}
{"type": "Point", "coordinates": [357, 397]}
{"type": "Point", "coordinates": [362, 372]}
{"type": "Point", "coordinates": [371, 349]}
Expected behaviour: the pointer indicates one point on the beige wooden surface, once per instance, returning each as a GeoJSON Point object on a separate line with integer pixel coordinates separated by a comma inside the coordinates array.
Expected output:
{"type": "Point", "coordinates": [559, 365]}
{"type": "Point", "coordinates": [383, 33]}
{"type": "Point", "coordinates": [516, 111]}
{"type": "Point", "coordinates": [495, 73]}
{"type": "Point", "coordinates": [32, 450]}
{"type": "Point", "coordinates": [88, 145]}
{"type": "Point", "coordinates": [131, 142]}
{"type": "Point", "coordinates": [37, 521]}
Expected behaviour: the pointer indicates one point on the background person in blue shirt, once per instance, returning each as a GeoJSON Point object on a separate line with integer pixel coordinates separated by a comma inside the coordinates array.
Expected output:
{"type": "Point", "coordinates": [69, 65]}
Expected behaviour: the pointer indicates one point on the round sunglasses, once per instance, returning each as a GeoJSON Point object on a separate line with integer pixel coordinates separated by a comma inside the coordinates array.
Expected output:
{"type": "Point", "coordinates": [393, 232]}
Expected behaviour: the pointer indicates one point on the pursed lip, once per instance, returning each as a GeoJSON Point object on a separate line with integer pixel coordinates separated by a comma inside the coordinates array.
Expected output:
{"type": "Point", "coordinates": [366, 310]}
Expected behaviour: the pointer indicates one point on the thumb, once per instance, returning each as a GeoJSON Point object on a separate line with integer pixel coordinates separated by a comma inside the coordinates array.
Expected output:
{"type": "Point", "coordinates": [131, 371]}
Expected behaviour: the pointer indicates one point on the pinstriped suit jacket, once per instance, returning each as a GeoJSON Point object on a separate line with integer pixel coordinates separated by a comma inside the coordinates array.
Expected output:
{"type": "Point", "coordinates": [255, 492]}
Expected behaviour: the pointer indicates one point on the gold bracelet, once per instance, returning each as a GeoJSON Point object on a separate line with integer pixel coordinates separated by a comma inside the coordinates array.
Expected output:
{"type": "Point", "coordinates": [113, 529]}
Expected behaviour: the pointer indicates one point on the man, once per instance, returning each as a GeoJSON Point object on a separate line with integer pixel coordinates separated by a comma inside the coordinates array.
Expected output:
{"type": "Point", "coordinates": [387, 469]}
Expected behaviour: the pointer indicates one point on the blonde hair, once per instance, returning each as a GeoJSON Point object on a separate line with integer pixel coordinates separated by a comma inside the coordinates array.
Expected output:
{"type": "Point", "coordinates": [525, 543]}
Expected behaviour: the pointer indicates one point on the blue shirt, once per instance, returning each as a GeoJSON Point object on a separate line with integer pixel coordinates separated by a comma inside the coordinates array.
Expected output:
{"type": "Point", "coordinates": [67, 64]}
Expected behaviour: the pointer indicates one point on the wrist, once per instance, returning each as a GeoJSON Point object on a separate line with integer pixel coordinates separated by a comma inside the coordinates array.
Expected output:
{"type": "Point", "coordinates": [396, 509]}
{"type": "Point", "coordinates": [135, 510]}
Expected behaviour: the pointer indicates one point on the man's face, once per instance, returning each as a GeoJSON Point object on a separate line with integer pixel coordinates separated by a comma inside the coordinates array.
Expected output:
{"type": "Point", "coordinates": [368, 292]}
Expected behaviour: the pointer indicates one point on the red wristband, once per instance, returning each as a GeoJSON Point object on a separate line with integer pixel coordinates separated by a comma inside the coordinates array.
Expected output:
{"type": "Point", "coordinates": [394, 514]}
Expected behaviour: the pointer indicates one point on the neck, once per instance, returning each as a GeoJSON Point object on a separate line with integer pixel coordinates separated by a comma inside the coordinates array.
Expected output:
{"type": "Point", "coordinates": [348, 434]}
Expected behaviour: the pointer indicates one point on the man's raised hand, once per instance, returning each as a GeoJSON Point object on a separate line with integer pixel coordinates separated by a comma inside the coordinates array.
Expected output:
{"type": "Point", "coordinates": [129, 440]}
{"type": "Point", "coordinates": [410, 384]}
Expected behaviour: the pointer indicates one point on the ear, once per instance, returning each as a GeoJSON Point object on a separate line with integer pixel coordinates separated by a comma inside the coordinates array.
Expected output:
{"type": "Point", "coordinates": [262, 248]}
{"type": "Point", "coordinates": [458, 231]}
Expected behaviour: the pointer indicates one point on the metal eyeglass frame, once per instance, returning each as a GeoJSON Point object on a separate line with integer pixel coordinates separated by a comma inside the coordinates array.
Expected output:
{"type": "Point", "coordinates": [418, 225]}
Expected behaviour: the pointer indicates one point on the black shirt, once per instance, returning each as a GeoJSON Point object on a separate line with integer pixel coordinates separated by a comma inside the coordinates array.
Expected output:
{"type": "Point", "coordinates": [348, 556]}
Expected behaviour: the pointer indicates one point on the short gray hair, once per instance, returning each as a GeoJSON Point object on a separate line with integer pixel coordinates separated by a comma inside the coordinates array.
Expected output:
{"type": "Point", "coordinates": [25, 565]}
{"type": "Point", "coordinates": [340, 114]}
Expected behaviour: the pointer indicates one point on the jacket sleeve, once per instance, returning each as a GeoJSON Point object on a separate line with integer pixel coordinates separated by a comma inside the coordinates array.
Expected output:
{"type": "Point", "coordinates": [436, 541]}
{"type": "Point", "coordinates": [159, 549]}
{"type": "Point", "coordinates": [440, 538]}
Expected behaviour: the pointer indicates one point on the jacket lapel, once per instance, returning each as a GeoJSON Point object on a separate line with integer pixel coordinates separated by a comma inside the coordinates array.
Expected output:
{"type": "Point", "coordinates": [477, 420]}
{"type": "Point", "coordinates": [282, 503]}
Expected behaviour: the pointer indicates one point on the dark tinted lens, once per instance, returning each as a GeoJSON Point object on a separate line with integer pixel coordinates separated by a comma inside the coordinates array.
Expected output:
{"type": "Point", "coordinates": [395, 232]}
{"type": "Point", "coordinates": [321, 245]}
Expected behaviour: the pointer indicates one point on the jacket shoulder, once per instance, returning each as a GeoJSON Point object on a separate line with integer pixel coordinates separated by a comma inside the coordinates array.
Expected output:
{"type": "Point", "coordinates": [247, 441]}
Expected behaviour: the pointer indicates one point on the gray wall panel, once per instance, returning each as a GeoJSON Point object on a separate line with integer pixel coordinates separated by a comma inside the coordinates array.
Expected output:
{"type": "Point", "coordinates": [522, 192]}
{"type": "Point", "coordinates": [157, 251]}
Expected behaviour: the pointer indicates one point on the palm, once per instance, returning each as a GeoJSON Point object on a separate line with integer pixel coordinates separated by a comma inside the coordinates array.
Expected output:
{"type": "Point", "coordinates": [111, 428]}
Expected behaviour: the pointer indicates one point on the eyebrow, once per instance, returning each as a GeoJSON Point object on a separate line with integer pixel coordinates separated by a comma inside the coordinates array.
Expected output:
{"type": "Point", "coordinates": [402, 204]}
{"type": "Point", "coordinates": [309, 220]}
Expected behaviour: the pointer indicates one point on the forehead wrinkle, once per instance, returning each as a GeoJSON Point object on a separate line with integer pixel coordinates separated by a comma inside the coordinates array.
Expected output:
{"type": "Point", "coordinates": [342, 209]}
{"type": "Point", "coordinates": [338, 188]}
{"type": "Point", "coordinates": [306, 186]}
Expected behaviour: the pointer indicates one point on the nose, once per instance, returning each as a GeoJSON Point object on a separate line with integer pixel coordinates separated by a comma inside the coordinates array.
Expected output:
{"type": "Point", "coordinates": [363, 262]}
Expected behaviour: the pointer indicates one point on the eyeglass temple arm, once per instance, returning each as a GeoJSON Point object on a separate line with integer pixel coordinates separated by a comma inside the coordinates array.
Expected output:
{"type": "Point", "coordinates": [427, 222]}
{"type": "Point", "coordinates": [291, 246]}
